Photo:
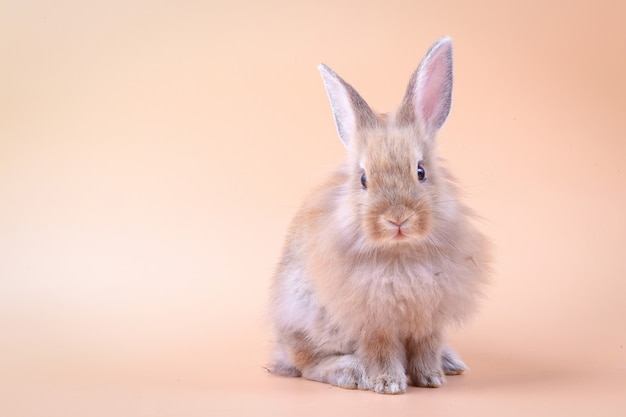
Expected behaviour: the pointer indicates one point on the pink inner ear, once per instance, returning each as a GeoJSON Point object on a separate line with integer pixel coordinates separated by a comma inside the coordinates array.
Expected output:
{"type": "Point", "coordinates": [434, 88]}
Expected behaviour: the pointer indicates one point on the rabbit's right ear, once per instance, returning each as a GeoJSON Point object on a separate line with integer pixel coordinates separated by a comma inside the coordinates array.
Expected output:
{"type": "Point", "coordinates": [350, 111]}
{"type": "Point", "coordinates": [429, 94]}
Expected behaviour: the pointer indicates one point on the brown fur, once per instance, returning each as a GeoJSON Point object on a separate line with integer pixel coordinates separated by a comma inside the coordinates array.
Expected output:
{"type": "Point", "coordinates": [370, 278]}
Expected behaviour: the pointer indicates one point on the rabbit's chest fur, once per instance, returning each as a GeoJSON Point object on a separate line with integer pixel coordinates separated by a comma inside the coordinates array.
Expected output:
{"type": "Point", "coordinates": [399, 294]}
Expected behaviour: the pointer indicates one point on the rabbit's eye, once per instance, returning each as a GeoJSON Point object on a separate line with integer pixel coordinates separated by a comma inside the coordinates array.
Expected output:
{"type": "Point", "coordinates": [421, 174]}
{"type": "Point", "coordinates": [364, 181]}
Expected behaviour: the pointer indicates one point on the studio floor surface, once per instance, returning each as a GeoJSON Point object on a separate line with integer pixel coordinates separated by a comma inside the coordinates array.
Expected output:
{"type": "Point", "coordinates": [499, 383]}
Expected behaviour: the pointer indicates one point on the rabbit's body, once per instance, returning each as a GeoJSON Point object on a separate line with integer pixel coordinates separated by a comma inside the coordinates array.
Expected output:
{"type": "Point", "coordinates": [379, 260]}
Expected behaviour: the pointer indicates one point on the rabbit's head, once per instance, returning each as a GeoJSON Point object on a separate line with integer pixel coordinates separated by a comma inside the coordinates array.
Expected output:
{"type": "Point", "coordinates": [397, 191]}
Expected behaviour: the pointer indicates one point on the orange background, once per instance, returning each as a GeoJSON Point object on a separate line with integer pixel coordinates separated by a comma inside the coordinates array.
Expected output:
{"type": "Point", "coordinates": [153, 153]}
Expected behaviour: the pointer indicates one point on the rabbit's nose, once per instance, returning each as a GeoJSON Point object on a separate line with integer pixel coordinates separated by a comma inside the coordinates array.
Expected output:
{"type": "Point", "coordinates": [397, 215]}
{"type": "Point", "coordinates": [398, 222]}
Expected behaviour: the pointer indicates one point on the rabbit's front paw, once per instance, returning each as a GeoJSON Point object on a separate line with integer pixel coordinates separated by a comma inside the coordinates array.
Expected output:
{"type": "Point", "coordinates": [388, 384]}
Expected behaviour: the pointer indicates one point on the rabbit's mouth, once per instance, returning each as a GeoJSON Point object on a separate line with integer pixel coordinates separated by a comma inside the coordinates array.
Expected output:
{"type": "Point", "coordinates": [399, 235]}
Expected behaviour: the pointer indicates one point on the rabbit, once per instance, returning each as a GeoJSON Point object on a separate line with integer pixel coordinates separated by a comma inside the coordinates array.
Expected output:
{"type": "Point", "coordinates": [383, 258]}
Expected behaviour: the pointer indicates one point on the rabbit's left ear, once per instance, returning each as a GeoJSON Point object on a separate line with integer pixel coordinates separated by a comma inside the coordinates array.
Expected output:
{"type": "Point", "coordinates": [350, 111]}
{"type": "Point", "coordinates": [429, 94]}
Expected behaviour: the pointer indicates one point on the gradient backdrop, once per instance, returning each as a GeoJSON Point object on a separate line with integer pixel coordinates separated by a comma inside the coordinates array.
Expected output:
{"type": "Point", "coordinates": [152, 154]}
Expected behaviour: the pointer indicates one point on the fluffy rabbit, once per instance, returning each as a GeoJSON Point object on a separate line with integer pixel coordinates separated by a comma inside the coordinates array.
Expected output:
{"type": "Point", "coordinates": [382, 258]}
